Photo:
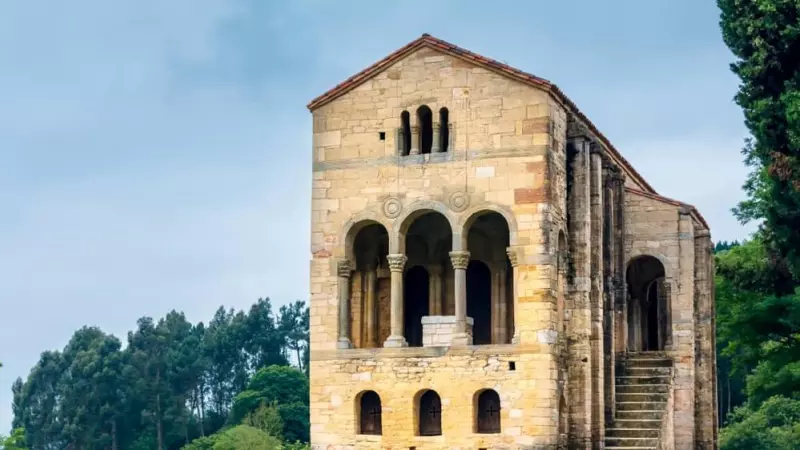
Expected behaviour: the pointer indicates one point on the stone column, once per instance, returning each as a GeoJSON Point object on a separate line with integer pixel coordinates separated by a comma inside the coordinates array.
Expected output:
{"type": "Point", "coordinates": [513, 257]}
{"type": "Point", "coordinates": [451, 138]}
{"type": "Point", "coordinates": [620, 302]}
{"type": "Point", "coordinates": [609, 291]}
{"type": "Point", "coordinates": [460, 261]}
{"type": "Point", "coordinates": [371, 322]}
{"type": "Point", "coordinates": [579, 363]}
{"type": "Point", "coordinates": [396, 264]}
{"type": "Point", "coordinates": [344, 270]}
{"type": "Point", "coordinates": [415, 144]}
{"type": "Point", "coordinates": [435, 290]}
{"type": "Point", "coordinates": [596, 293]}
{"type": "Point", "coordinates": [502, 276]}
{"type": "Point", "coordinates": [436, 145]}
{"type": "Point", "coordinates": [401, 142]}
{"type": "Point", "coordinates": [705, 386]}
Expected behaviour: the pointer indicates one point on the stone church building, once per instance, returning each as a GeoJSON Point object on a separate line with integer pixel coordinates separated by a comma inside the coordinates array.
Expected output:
{"type": "Point", "coordinates": [489, 272]}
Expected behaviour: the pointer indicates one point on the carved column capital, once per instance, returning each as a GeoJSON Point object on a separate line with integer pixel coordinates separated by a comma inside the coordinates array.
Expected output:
{"type": "Point", "coordinates": [576, 129]}
{"type": "Point", "coordinates": [396, 262]}
{"type": "Point", "coordinates": [414, 129]}
{"type": "Point", "coordinates": [435, 269]}
{"type": "Point", "coordinates": [596, 149]}
{"type": "Point", "coordinates": [344, 268]}
{"type": "Point", "coordinates": [460, 259]}
{"type": "Point", "coordinates": [513, 256]}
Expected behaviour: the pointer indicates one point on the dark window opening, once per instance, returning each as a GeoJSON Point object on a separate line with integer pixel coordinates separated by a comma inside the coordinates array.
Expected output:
{"type": "Point", "coordinates": [430, 414]}
{"type": "Point", "coordinates": [479, 302]}
{"type": "Point", "coordinates": [370, 413]}
{"type": "Point", "coordinates": [444, 131]}
{"type": "Point", "coordinates": [488, 412]}
{"type": "Point", "coordinates": [512, 365]}
{"type": "Point", "coordinates": [425, 119]}
{"type": "Point", "coordinates": [405, 143]}
{"type": "Point", "coordinates": [382, 135]}
{"type": "Point", "coordinates": [416, 294]}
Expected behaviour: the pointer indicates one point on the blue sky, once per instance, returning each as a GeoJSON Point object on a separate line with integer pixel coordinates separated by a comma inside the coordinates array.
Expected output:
{"type": "Point", "coordinates": [156, 154]}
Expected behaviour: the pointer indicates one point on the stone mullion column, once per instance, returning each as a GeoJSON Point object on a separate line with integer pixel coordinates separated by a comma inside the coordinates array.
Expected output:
{"type": "Point", "coordinates": [609, 292]}
{"type": "Point", "coordinates": [401, 142]}
{"type": "Point", "coordinates": [620, 284]}
{"type": "Point", "coordinates": [596, 292]}
{"type": "Point", "coordinates": [579, 363]}
{"type": "Point", "coordinates": [396, 264]}
{"type": "Point", "coordinates": [435, 290]}
{"type": "Point", "coordinates": [460, 261]}
{"type": "Point", "coordinates": [502, 296]}
{"type": "Point", "coordinates": [705, 375]}
{"type": "Point", "coordinates": [514, 259]}
{"type": "Point", "coordinates": [371, 322]}
{"type": "Point", "coordinates": [344, 271]}
{"type": "Point", "coordinates": [497, 281]}
{"type": "Point", "coordinates": [436, 145]}
{"type": "Point", "coordinates": [415, 144]}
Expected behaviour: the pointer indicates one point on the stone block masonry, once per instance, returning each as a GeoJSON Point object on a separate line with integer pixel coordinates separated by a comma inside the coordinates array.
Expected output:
{"type": "Point", "coordinates": [482, 258]}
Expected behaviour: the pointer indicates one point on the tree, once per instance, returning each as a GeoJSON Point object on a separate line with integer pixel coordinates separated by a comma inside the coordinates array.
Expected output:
{"type": "Point", "coordinates": [14, 442]}
{"type": "Point", "coordinates": [284, 386]}
{"type": "Point", "coordinates": [775, 425]}
{"type": "Point", "coordinates": [241, 437]}
{"type": "Point", "coordinates": [764, 35]}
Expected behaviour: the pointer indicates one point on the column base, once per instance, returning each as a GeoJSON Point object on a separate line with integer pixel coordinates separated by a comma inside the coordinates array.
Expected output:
{"type": "Point", "coordinates": [395, 342]}
{"type": "Point", "coordinates": [344, 343]}
{"type": "Point", "coordinates": [461, 339]}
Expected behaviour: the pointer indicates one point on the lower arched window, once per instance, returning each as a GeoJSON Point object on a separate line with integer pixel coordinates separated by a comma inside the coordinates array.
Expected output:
{"type": "Point", "coordinates": [369, 414]}
{"type": "Point", "coordinates": [488, 414]}
{"type": "Point", "coordinates": [430, 414]}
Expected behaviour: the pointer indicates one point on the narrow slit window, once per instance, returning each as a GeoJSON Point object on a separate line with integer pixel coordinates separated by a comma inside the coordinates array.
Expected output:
{"type": "Point", "coordinates": [444, 131]}
{"type": "Point", "coordinates": [405, 131]}
{"type": "Point", "coordinates": [425, 120]}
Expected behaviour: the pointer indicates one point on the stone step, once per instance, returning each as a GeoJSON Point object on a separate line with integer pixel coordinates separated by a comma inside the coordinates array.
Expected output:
{"type": "Point", "coordinates": [641, 406]}
{"type": "Point", "coordinates": [633, 432]}
{"type": "Point", "coordinates": [641, 397]}
{"type": "Point", "coordinates": [642, 379]}
{"type": "Point", "coordinates": [646, 362]}
{"type": "Point", "coordinates": [634, 388]}
{"type": "Point", "coordinates": [647, 370]}
{"type": "Point", "coordinates": [613, 447]}
{"type": "Point", "coordinates": [631, 442]}
{"type": "Point", "coordinates": [634, 415]}
{"type": "Point", "coordinates": [638, 423]}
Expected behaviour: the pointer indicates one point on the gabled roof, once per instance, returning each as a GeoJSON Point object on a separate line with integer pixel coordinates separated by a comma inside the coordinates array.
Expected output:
{"type": "Point", "coordinates": [428, 41]}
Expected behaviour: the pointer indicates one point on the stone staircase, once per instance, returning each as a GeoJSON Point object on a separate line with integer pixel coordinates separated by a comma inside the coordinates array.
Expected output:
{"type": "Point", "coordinates": [642, 387]}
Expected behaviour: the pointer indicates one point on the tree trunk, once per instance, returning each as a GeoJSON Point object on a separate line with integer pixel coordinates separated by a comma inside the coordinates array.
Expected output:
{"type": "Point", "coordinates": [202, 410]}
{"type": "Point", "coordinates": [299, 358]}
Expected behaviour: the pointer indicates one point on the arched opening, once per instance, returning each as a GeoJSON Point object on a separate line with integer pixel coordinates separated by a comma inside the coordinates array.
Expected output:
{"type": "Point", "coordinates": [489, 278]}
{"type": "Point", "coordinates": [428, 243]}
{"type": "Point", "coordinates": [429, 414]}
{"type": "Point", "coordinates": [369, 413]}
{"type": "Point", "coordinates": [479, 302]}
{"type": "Point", "coordinates": [405, 123]}
{"type": "Point", "coordinates": [649, 322]}
{"type": "Point", "coordinates": [487, 412]}
{"type": "Point", "coordinates": [369, 315]}
{"type": "Point", "coordinates": [562, 262]}
{"type": "Point", "coordinates": [416, 291]}
{"type": "Point", "coordinates": [444, 130]}
{"type": "Point", "coordinates": [425, 120]}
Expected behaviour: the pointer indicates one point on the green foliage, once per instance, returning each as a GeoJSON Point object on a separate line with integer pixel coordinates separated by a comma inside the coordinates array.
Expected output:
{"type": "Point", "coordinates": [267, 419]}
{"type": "Point", "coordinates": [14, 442]}
{"type": "Point", "coordinates": [174, 382]}
{"type": "Point", "coordinates": [283, 386]}
{"type": "Point", "coordinates": [241, 437]}
{"type": "Point", "coordinates": [775, 425]}
{"type": "Point", "coordinates": [764, 35]}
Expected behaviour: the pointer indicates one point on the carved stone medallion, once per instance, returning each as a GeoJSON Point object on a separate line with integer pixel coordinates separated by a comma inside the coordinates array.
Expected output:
{"type": "Point", "coordinates": [459, 201]}
{"type": "Point", "coordinates": [392, 207]}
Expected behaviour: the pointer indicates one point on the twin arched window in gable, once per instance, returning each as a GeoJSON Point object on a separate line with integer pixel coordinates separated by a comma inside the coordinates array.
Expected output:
{"type": "Point", "coordinates": [421, 134]}
{"type": "Point", "coordinates": [428, 411]}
